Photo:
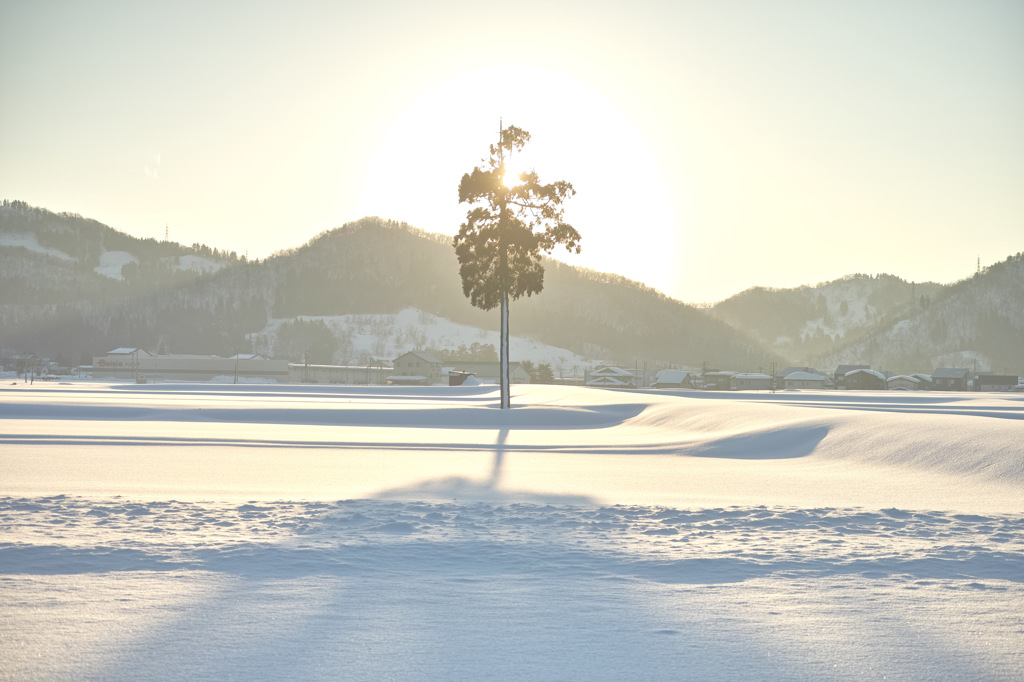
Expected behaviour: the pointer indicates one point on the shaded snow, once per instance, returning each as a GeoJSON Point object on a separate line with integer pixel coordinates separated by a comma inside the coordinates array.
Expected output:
{"type": "Point", "coordinates": [202, 531]}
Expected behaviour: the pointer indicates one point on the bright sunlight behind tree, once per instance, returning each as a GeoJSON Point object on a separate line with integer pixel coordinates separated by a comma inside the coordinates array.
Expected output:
{"type": "Point", "coordinates": [512, 220]}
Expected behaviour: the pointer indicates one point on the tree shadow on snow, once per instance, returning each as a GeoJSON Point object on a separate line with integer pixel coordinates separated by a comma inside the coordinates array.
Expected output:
{"type": "Point", "coordinates": [461, 488]}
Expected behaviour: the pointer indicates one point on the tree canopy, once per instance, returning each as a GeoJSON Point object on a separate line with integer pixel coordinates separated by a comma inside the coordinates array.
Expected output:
{"type": "Point", "coordinates": [511, 222]}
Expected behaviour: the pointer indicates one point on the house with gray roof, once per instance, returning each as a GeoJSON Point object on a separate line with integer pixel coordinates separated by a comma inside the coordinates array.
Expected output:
{"type": "Point", "coordinates": [751, 381]}
{"type": "Point", "coordinates": [673, 378]}
{"type": "Point", "coordinates": [951, 379]}
{"type": "Point", "coordinates": [417, 368]}
{"type": "Point", "coordinates": [490, 372]}
{"type": "Point", "coordinates": [865, 380]}
{"type": "Point", "coordinates": [805, 380]}
{"type": "Point", "coordinates": [842, 370]}
{"type": "Point", "coordinates": [903, 382]}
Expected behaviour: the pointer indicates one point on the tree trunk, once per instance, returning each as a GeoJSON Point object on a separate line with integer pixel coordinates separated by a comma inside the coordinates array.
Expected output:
{"type": "Point", "coordinates": [506, 394]}
{"type": "Point", "coordinates": [506, 397]}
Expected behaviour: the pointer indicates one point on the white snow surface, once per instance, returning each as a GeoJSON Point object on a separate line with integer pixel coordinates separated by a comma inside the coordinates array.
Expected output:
{"type": "Point", "coordinates": [111, 263]}
{"type": "Point", "coordinates": [212, 532]}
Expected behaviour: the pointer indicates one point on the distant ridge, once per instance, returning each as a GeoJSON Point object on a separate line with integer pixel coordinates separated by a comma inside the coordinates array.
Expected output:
{"type": "Point", "coordinates": [890, 323]}
{"type": "Point", "coordinates": [62, 305]}
{"type": "Point", "coordinates": [811, 321]}
{"type": "Point", "coordinates": [976, 323]}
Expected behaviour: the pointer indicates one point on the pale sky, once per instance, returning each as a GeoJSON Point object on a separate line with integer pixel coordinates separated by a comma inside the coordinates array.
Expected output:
{"type": "Point", "coordinates": [714, 146]}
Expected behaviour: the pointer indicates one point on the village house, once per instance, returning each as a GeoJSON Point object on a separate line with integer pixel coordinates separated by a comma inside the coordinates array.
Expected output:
{"type": "Point", "coordinates": [417, 368]}
{"type": "Point", "coordinates": [865, 380]}
{"type": "Point", "coordinates": [995, 382]}
{"type": "Point", "coordinates": [805, 380]}
{"type": "Point", "coordinates": [780, 377]}
{"type": "Point", "coordinates": [903, 382]}
{"type": "Point", "coordinates": [140, 365]}
{"type": "Point", "coordinates": [611, 377]}
{"type": "Point", "coordinates": [717, 381]}
{"type": "Point", "coordinates": [353, 375]}
{"type": "Point", "coordinates": [926, 380]}
{"type": "Point", "coordinates": [951, 379]}
{"type": "Point", "coordinates": [489, 372]}
{"type": "Point", "coordinates": [673, 378]}
{"type": "Point", "coordinates": [839, 376]}
{"type": "Point", "coordinates": [751, 381]}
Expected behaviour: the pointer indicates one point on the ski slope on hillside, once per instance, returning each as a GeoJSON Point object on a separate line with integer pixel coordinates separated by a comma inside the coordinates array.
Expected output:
{"type": "Point", "coordinates": [195, 531]}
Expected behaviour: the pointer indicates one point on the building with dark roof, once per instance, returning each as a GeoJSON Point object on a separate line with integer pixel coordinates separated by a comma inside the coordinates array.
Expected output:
{"type": "Point", "coordinates": [841, 372]}
{"type": "Point", "coordinates": [865, 380]}
{"type": "Point", "coordinates": [951, 379]}
{"type": "Point", "coordinates": [995, 382]}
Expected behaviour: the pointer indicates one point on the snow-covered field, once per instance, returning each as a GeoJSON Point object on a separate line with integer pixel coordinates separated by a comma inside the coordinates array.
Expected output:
{"type": "Point", "coordinates": [219, 532]}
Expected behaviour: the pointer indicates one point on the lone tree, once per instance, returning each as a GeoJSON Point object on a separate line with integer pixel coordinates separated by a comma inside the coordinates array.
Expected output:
{"type": "Point", "coordinates": [511, 220]}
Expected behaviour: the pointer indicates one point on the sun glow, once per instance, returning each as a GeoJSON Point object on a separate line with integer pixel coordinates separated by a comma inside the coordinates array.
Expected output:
{"type": "Point", "coordinates": [512, 178]}
{"type": "Point", "coordinates": [577, 135]}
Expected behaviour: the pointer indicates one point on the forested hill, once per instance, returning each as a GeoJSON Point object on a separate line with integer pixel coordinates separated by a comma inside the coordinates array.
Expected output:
{"type": "Point", "coordinates": [808, 322]}
{"type": "Point", "coordinates": [65, 295]}
{"type": "Point", "coordinates": [977, 322]}
{"type": "Point", "coordinates": [890, 323]}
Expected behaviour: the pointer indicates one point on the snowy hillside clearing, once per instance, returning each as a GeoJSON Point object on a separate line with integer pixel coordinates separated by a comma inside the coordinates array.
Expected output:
{"type": "Point", "coordinates": [386, 337]}
{"type": "Point", "coordinates": [111, 263]}
{"type": "Point", "coordinates": [857, 312]}
{"type": "Point", "coordinates": [30, 242]}
{"type": "Point", "coordinates": [198, 264]}
{"type": "Point", "coordinates": [202, 531]}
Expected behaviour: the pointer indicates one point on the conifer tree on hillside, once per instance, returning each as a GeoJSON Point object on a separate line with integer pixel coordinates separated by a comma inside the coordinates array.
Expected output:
{"type": "Point", "coordinates": [511, 221]}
